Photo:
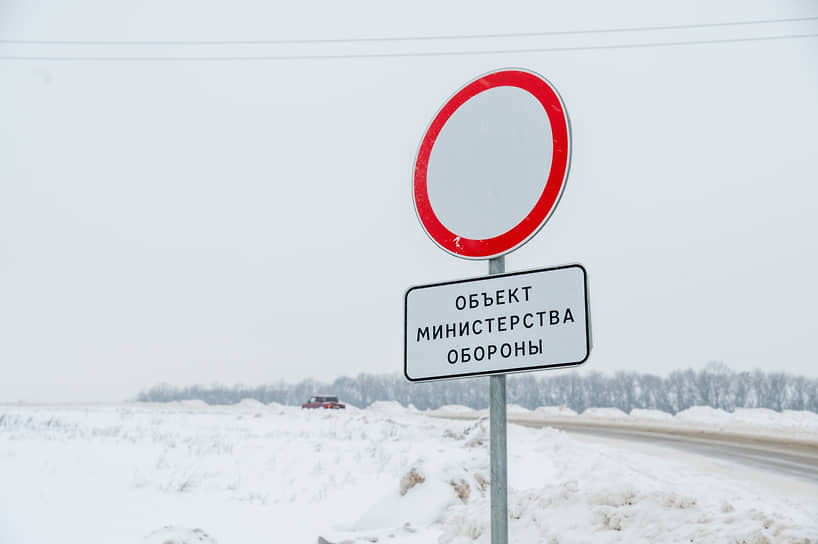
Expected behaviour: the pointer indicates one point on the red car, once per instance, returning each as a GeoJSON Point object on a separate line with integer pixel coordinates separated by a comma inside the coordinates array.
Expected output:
{"type": "Point", "coordinates": [324, 401]}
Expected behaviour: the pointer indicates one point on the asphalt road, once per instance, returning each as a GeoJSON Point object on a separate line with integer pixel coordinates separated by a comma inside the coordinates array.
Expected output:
{"type": "Point", "coordinates": [791, 458]}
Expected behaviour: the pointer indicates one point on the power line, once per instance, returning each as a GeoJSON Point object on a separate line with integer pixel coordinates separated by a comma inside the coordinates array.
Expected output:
{"type": "Point", "coordinates": [409, 38]}
{"type": "Point", "coordinates": [237, 58]}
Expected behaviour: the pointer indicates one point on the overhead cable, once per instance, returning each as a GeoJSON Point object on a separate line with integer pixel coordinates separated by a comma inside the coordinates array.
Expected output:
{"type": "Point", "coordinates": [654, 28]}
{"type": "Point", "coordinates": [398, 54]}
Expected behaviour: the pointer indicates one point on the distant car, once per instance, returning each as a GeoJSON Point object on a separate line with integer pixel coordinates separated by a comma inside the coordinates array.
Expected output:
{"type": "Point", "coordinates": [324, 401]}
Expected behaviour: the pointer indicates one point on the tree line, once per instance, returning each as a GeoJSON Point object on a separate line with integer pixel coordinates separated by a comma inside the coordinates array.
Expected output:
{"type": "Point", "coordinates": [715, 385]}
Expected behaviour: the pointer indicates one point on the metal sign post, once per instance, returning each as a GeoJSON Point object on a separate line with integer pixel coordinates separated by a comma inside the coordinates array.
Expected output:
{"type": "Point", "coordinates": [497, 442]}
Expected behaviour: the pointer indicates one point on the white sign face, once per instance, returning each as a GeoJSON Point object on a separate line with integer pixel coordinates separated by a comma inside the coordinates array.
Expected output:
{"type": "Point", "coordinates": [497, 324]}
{"type": "Point", "coordinates": [492, 164]}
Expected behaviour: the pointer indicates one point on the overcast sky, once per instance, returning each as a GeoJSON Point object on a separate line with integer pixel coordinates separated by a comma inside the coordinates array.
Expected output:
{"type": "Point", "coordinates": [250, 221]}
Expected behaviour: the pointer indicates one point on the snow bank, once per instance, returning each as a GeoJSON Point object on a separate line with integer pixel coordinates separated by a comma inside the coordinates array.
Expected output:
{"type": "Point", "coordinates": [193, 403]}
{"type": "Point", "coordinates": [786, 425]}
{"type": "Point", "coordinates": [788, 419]}
{"type": "Point", "coordinates": [278, 408]}
{"type": "Point", "coordinates": [756, 416]}
{"type": "Point", "coordinates": [561, 410]}
{"type": "Point", "coordinates": [650, 414]}
{"type": "Point", "coordinates": [455, 409]}
{"type": "Point", "coordinates": [517, 409]}
{"type": "Point", "coordinates": [607, 413]}
{"type": "Point", "coordinates": [703, 414]}
{"type": "Point", "coordinates": [800, 418]}
{"type": "Point", "coordinates": [789, 424]}
{"type": "Point", "coordinates": [387, 407]}
{"type": "Point", "coordinates": [250, 404]}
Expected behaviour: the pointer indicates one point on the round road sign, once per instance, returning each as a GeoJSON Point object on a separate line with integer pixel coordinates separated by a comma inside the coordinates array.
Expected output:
{"type": "Point", "coordinates": [492, 164]}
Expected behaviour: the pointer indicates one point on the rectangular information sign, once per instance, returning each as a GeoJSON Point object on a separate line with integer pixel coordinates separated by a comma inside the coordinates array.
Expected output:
{"type": "Point", "coordinates": [499, 324]}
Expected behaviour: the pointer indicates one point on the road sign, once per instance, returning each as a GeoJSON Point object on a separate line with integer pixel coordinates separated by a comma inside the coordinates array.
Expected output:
{"type": "Point", "coordinates": [492, 165]}
{"type": "Point", "coordinates": [505, 323]}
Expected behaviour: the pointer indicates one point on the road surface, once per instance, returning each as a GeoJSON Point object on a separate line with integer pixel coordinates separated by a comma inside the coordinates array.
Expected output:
{"type": "Point", "coordinates": [794, 458]}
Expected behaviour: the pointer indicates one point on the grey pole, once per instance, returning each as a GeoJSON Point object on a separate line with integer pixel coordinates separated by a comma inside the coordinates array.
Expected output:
{"type": "Point", "coordinates": [497, 442]}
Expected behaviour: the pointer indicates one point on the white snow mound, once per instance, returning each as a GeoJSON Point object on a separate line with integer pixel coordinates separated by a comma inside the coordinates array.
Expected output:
{"type": "Point", "coordinates": [703, 414]}
{"type": "Point", "coordinates": [193, 403]}
{"type": "Point", "coordinates": [561, 410]}
{"type": "Point", "coordinates": [455, 409]}
{"type": "Point", "coordinates": [650, 414]}
{"type": "Point", "coordinates": [517, 409]}
{"type": "Point", "coordinates": [608, 413]}
{"type": "Point", "coordinates": [387, 407]}
{"type": "Point", "coordinates": [251, 404]}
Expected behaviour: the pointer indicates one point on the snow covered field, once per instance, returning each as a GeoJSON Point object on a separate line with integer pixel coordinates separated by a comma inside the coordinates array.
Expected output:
{"type": "Point", "coordinates": [187, 472]}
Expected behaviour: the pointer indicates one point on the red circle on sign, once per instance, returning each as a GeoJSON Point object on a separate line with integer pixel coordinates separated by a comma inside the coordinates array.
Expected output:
{"type": "Point", "coordinates": [469, 248]}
